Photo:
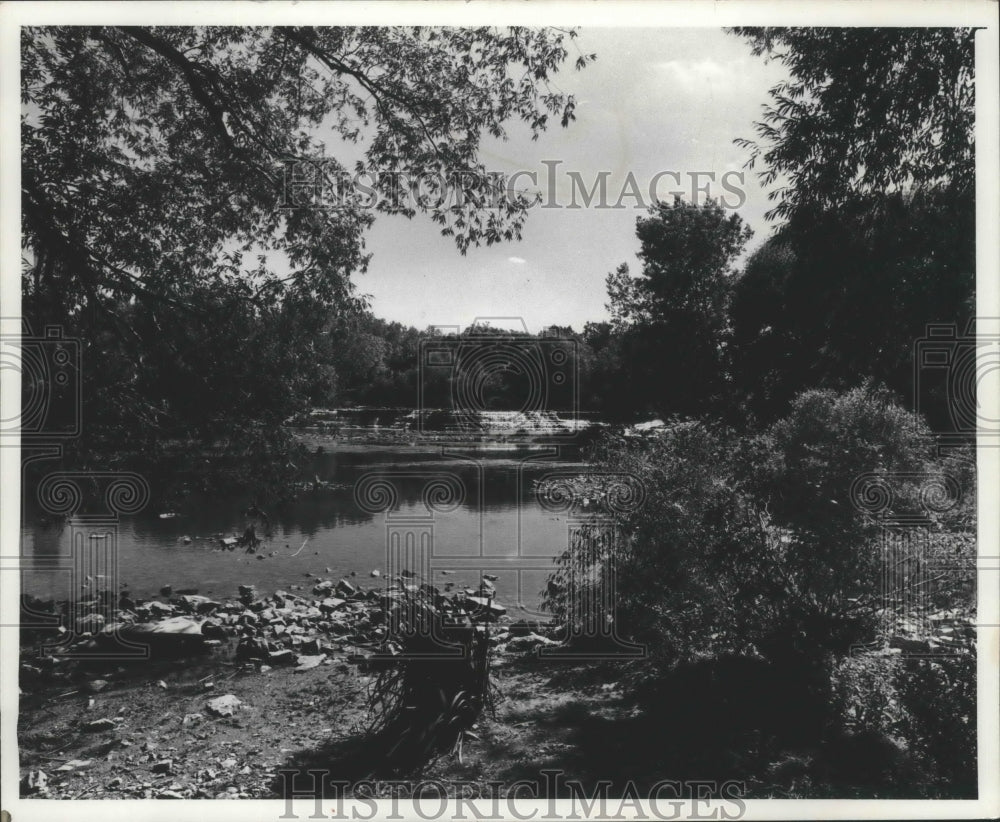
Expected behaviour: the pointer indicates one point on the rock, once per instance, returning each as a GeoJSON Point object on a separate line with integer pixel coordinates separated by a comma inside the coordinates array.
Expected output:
{"type": "Point", "coordinates": [521, 644]}
{"type": "Point", "coordinates": [213, 630]}
{"type": "Point", "coordinates": [251, 649]}
{"type": "Point", "coordinates": [490, 577]}
{"type": "Point", "coordinates": [75, 764]}
{"type": "Point", "coordinates": [166, 590]}
{"type": "Point", "coordinates": [914, 646]}
{"type": "Point", "coordinates": [190, 718]}
{"type": "Point", "coordinates": [307, 663]}
{"type": "Point", "coordinates": [331, 604]}
{"type": "Point", "coordinates": [376, 574]}
{"type": "Point", "coordinates": [523, 627]}
{"type": "Point", "coordinates": [310, 646]}
{"type": "Point", "coordinates": [324, 586]}
{"type": "Point", "coordinates": [36, 782]}
{"type": "Point", "coordinates": [168, 637]}
{"type": "Point", "coordinates": [247, 591]}
{"type": "Point", "coordinates": [226, 705]}
{"type": "Point", "coordinates": [202, 605]}
{"type": "Point", "coordinates": [283, 657]}
{"type": "Point", "coordinates": [487, 605]}
{"type": "Point", "coordinates": [345, 588]}
{"type": "Point", "coordinates": [95, 686]}
{"type": "Point", "coordinates": [91, 623]}
{"type": "Point", "coordinates": [228, 763]}
{"type": "Point", "coordinates": [157, 607]}
{"type": "Point", "coordinates": [185, 540]}
{"type": "Point", "coordinates": [163, 766]}
{"type": "Point", "coordinates": [229, 542]}
{"type": "Point", "coordinates": [170, 795]}
{"type": "Point", "coordinates": [100, 725]}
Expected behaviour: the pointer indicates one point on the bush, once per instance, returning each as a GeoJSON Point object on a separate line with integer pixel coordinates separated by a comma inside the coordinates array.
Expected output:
{"type": "Point", "coordinates": [752, 544]}
{"type": "Point", "coordinates": [751, 547]}
{"type": "Point", "coordinates": [939, 697]}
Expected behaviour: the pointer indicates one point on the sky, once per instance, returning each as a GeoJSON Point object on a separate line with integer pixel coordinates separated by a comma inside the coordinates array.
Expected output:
{"type": "Point", "coordinates": [655, 100]}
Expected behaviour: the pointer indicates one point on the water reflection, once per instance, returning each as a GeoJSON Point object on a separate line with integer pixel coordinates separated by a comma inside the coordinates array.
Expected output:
{"type": "Point", "coordinates": [496, 519]}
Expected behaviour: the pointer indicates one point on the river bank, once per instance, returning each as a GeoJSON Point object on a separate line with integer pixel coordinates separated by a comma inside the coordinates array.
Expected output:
{"type": "Point", "coordinates": [235, 691]}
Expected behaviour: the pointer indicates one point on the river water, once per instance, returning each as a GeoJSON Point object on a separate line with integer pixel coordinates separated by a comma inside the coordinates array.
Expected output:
{"type": "Point", "coordinates": [475, 511]}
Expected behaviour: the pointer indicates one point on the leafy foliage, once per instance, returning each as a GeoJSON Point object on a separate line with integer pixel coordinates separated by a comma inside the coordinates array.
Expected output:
{"type": "Point", "coordinates": [751, 544]}
{"type": "Point", "coordinates": [839, 296]}
{"type": "Point", "coordinates": [866, 111]}
{"type": "Point", "coordinates": [152, 193]}
{"type": "Point", "coordinates": [673, 317]}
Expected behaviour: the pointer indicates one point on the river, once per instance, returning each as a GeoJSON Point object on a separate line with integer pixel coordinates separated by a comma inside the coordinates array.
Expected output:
{"type": "Point", "coordinates": [475, 509]}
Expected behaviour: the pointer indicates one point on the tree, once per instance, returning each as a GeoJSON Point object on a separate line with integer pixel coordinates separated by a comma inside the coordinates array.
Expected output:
{"type": "Point", "coordinates": [673, 316]}
{"type": "Point", "coordinates": [153, 179]}
{"type": "Point", "coordinates": [866, 111]}
{"type": "Point", "coordinates": [870, 149]}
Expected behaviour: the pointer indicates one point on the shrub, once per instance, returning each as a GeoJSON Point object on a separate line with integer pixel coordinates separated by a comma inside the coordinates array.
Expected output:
{"type": "Point", "coordinates": [939, 697]}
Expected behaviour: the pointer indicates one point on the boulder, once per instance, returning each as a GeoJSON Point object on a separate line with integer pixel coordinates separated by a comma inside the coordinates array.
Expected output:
{"type": "Point", "coordinates": [91, 623]}
{"type": "Point", "coordinates": [159, 608]}
{"type": "Point", "coordinates": [36, 782]}
{"type": "Point", "coordinates": [226, 705]}
{"type": "Point", "coordinates": [282, 657]}
{"type": "Point", "coordinates": [307, 663]}
{"type": "Point", "coordinates": [212, 630]}
{"type": "Point", "coordinates": [487, 606]}
{"type": "Point", "coordinates": [75, 764]}
{"type": "Point", "coordinates": [331, 604]}
{"type": "Point", "coordinates": [910, 645]}
{"type": "Point", "coordinates": [176, 636]}
{"type": "Point", "coordinates": [202, 605]}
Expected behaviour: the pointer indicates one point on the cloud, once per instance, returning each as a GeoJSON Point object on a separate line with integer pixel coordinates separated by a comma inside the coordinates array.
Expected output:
{"type": "Point", "coordinates": [517, 260]}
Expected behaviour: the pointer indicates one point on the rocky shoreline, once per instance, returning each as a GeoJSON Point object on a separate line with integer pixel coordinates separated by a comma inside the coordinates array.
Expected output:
{"type": "Point", "coordinates": [336, 633]}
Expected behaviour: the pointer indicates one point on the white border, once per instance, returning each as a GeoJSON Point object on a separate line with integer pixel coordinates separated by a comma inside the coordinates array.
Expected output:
{"type": "Point", "coordinates": [677, 13]}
